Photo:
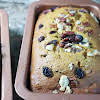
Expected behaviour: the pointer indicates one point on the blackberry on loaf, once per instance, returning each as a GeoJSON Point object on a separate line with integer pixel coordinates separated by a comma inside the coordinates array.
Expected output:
{"type": "Point", "coordinates": [65, 51]}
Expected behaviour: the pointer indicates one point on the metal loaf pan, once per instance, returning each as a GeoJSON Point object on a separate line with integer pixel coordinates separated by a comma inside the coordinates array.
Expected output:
{"type": "Point", "coordinates": [22, 77]}
{"type": "Point", "coordinates": [5, 62]}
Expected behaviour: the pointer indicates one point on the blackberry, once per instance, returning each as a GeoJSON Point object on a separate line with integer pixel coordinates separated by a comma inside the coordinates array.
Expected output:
{"type": "Point", "coordinates": [47, 72]}
{"type": "Point", "coordinates": [52, 32]}
{"type": "Point", "coordinates": [40, 26]}
{"type": "Point", "coordinates": [41, 38]}
{"type": "Point", "coordinates": [53, 42]}
{"type": "Point", "coordinates": [53, 8]}
{"type": "Point", "coordinates": [79, 73]}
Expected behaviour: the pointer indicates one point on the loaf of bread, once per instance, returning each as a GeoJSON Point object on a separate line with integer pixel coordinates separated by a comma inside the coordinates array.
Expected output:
{"type": "Point", "coordinates": [65, 50]}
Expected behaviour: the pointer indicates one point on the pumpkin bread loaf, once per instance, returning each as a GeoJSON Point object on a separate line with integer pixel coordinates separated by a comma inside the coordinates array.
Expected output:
{"type": "Point", "coordinates": [65, 51]}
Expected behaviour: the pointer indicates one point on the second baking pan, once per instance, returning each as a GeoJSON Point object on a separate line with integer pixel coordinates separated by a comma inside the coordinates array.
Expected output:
{"type": "Point", "coordinates": [5, 62]}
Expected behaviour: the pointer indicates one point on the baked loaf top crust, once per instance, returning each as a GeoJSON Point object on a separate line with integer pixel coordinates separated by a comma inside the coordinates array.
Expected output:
{"type": "Point", "coordinates": [65, 48]}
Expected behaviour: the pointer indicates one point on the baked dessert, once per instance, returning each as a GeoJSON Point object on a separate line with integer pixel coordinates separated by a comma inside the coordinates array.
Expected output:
{"type": "Point", "coordinates": [66, 51]}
